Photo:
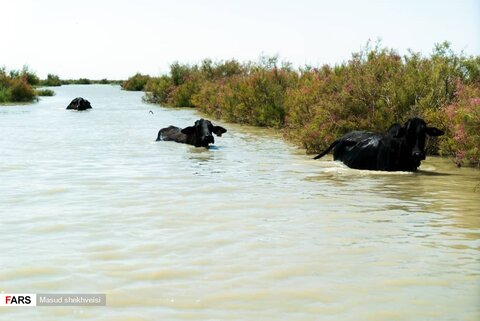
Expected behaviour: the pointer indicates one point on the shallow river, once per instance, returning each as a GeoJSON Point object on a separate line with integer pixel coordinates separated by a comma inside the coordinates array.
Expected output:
{"type": "Point", "coordinates": [252, 229]}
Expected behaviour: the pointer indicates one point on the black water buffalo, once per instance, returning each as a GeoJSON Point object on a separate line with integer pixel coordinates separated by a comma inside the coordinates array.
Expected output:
{"type": "Point", "coordinates": [198, 135]}
{"type": "Point", "coordinates": [401, 148]}
{"type": "Point", "coordinates": [79, 104]}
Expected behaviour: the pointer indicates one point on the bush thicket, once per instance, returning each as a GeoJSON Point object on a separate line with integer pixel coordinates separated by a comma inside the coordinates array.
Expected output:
{"type": "Point", "coordinates": [16, 86]}
{"type": "Point", "coordinates": [136, 82]}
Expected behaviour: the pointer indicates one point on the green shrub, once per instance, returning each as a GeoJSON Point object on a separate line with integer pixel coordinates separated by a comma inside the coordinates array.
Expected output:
{"type": "Point", "coordinates": [15, 86]}
{"type": "Point", "coordinates": [5, 95]}
{"type": "Point", "coordinates": [31, 78]}
{"type": "Point", "coordinates": [252, 94]}
{"type": "Point", "coordinates": [182, 95]}
{"type": "Point", "coordinates": [21, 90]}
{"type": "Point", "coordinates": [221, 69]}
{"type": "Point", "coordinates": [462, 119]}
{"type": "Point", "coordinates": [51, 81]}
{"type": "Point", "coordinates": [136, 82]}
{"type": "Point", "coordinates": [157, 89]}
{"type": "Point", "coordinates": [83, 81]}
{"type": "Point", "coordinates": [44, 92]}
{"type": "Point", "coordinates": [211, 98]}
{"type": "Point", "coordinates": [180, 73]}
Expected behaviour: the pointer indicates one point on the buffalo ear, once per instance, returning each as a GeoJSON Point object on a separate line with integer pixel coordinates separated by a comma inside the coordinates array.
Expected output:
{"type": "Point", "coordinates": [188, 130]}
{"type": "Point", "coordinates": [432, 131]}
{"type": "Point", "coordinates": [219, 130]}
{"type": "Point", "coordinates": [400, 132]}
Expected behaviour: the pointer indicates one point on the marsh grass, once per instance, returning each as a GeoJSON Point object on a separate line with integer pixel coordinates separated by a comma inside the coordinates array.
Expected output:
{"type": "Point", "coordinates": [16, 86]}
{"type": "Point", "coordinates": [136, 83]}
{"type": "Point", "coordinates": [44, 92]}
{"type": "Point", "coordinates": [51, 81]}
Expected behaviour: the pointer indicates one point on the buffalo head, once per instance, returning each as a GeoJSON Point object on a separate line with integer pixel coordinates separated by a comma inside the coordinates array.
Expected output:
{"type": "Point", "coordinates": [200, 134]}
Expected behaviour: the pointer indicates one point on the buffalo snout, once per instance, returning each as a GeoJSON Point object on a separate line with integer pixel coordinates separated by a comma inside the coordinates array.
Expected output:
{"type": "Point", "coordinates": [208, 139]}
{"type": "Point", "coordinates": [418, 155]}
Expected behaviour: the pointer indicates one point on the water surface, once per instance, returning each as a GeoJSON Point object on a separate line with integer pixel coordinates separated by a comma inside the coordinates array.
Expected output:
{"type": "Point", "coordinates": [252, 229]}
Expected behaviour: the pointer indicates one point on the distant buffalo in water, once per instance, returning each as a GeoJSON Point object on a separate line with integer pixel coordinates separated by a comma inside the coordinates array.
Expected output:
{"type": "Point", "coordinates": [79, 104]}
{"type": "Point", "coordinates": [198, 135]}
{"type": "Point", "coordinates": [401, 148]}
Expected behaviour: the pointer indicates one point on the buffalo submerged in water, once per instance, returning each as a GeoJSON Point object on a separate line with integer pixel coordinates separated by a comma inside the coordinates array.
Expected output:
{"type": "Point", "coordinates": [401, 148]}
{"type": "Point", "coordinates": [79, 103]}
{"type": "Point", "coordinates": [198, 135]}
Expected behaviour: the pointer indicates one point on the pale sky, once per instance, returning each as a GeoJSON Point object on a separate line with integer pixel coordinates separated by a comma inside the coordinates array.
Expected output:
{"type": "Point", "coordinates": [116, 38]}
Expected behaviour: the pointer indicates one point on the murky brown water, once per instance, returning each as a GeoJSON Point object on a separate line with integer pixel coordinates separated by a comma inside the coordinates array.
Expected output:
{"type": "Point", "coordinates": [250, 230]}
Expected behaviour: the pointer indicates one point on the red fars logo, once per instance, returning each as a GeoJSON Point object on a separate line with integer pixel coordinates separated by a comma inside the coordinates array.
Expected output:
{"type": "Point", "coordinates": [15, 299]}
